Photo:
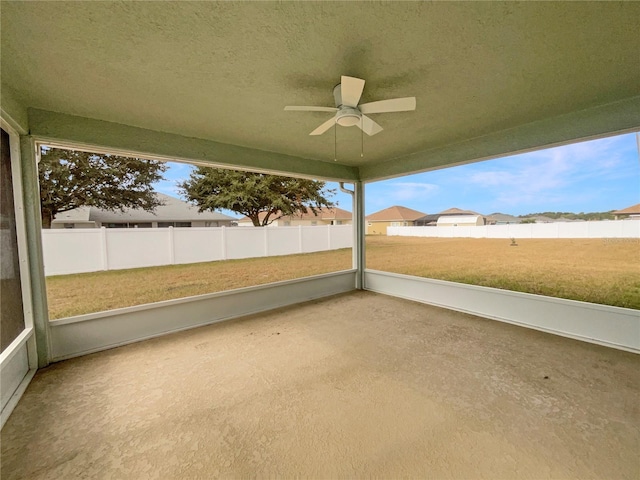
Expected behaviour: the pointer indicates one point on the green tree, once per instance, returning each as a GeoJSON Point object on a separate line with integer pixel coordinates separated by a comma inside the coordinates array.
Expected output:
{"type": "Point", "coordinates": [253, 194]}
{"type": "Point", "coordinates": [71, 179]}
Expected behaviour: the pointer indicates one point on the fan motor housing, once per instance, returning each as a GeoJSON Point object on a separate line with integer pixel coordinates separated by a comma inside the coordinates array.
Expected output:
{"type": "Point", "coordinates": [346, 116]}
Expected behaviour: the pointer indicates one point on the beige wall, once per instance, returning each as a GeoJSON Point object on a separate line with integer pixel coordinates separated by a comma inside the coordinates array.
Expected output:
{"type": "Point", "coordinates": [377, 228]}
{"type": "Point", "coordinates": [380, 228]}
{"type": "Point", "coordinates": [283, 222]}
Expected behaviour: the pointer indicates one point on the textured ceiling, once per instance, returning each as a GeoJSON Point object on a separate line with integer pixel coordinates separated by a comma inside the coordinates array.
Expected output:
{"type": "Point", "coordinates": [224, 71]}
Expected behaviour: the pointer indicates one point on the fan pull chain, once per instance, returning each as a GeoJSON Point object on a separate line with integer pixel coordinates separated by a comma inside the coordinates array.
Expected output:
{"type": "Point", "coordinates": [361, 137]}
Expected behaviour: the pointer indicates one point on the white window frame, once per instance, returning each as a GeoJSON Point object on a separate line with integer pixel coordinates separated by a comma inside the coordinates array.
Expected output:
{"type": "Point", "coordinates": [26, 339]}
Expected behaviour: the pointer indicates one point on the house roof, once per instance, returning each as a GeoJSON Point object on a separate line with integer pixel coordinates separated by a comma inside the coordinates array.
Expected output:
{"type": "Point", "coordinates": [208, 81]}
{"type": "Point", "coordinates": [503, 217]}
{"type": "Point", "coordinates": [395, 214]}
{"type": "Point", "coordinates": [432, 218]}
{"type": "Point", "coordinates": [334, 213]}
{"type": "Point", "coordinates": [458, 211]}
{"type": "Point", "coordinates": [632, 210]}
{"type": "Point", "coordinates": [80, 214]}
{"type": "Point", "coordinates": [173, 210]}
{"type": "Point", "coordinates": [326, 214]}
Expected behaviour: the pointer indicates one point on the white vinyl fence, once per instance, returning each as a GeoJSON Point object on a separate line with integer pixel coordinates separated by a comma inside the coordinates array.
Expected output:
{"type": "Point", "coordinates": [91, 250]}
{"type": "Point", "coordinates": [600, 229]}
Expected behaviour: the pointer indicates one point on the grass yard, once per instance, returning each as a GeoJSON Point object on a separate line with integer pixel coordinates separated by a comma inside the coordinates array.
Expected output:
{"type": "Point", "coordinates": [603, 271]}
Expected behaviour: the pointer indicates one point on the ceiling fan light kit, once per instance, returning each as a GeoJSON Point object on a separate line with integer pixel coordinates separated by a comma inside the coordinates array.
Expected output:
{"type": "Point", "coordinates": [349, 113]}
{"type": "Point", "coordinates": [347, 117]}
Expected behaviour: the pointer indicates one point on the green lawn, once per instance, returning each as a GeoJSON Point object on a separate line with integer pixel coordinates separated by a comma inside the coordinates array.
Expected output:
{"type": "Point", "coordinates": [592, 270]}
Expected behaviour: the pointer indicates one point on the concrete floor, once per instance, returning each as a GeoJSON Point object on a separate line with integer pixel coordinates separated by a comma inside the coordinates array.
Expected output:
{"type": "Point", "coordinates": [356, 385]}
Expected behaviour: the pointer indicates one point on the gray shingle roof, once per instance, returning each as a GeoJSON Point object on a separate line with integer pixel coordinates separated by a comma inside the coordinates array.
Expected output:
{"type": "Point", "coordinates": [395, 213]}
{"type": "Point", "coordinates": [173, 210]}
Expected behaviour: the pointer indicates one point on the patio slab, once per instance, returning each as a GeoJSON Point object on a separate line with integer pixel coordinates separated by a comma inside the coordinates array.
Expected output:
{"type": "Point", "coordinates": [354, 385]}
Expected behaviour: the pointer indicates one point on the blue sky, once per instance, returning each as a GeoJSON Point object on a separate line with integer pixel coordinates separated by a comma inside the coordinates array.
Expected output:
{"type": "Point", "coordinates": [593, 176]}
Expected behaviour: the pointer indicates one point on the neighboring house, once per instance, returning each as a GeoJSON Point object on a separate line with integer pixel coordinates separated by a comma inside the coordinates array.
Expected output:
{"type": "Point", "coordinates": [632, 212]}
{"type": "Point", "coordinates": [541, 219]}
{"type": "Point", "coordinates": [460, 221]}
{"type": "Point", "coordinates": [502, 219]}
{"type": "Point", "coordinates": [174, 213]}
{"type": "Point", "coordinates": [325, 216]}
{"type": "Point", "coordinates": [431, 220]}
{"type": "Point", "coordinates": [395, 216]}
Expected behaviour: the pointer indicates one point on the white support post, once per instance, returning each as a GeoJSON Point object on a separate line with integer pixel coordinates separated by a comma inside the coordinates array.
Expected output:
{"type": "Point", "coordinates": [359, 234]}
{"type": "Point", "coordinates": [299, 238]}
{"type": "Point", "coordinates": [329, 237]}
{"type": "Point", "coordinates": [29, 157]}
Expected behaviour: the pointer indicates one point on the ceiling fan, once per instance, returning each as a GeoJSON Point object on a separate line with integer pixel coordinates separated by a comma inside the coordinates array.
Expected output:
{"type": "Point", "coordinates": [347, 111]}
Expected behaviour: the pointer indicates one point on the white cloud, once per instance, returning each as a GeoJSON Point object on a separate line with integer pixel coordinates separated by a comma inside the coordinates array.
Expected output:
{"type": "Point", "coordinates": [554, 174]}
{"type": "Point", "coordinates": [411, 191]}
{"type": "Point", "coordinates": [384, 194]}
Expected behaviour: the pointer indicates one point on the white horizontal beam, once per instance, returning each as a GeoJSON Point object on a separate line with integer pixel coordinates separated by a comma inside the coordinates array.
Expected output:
{"type": "Point", "coordinates": [98, 135]}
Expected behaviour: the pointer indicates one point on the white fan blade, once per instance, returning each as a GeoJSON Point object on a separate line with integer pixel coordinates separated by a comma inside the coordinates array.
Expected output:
{"type": "Point", "coordinates": [311, 109]}
{"type": "Point", "coordinates": [405, 104]}
{"type": "Point", "coordinates": [351, 90]}
{"type": "Point", "coordinates": [368, 126]}
{"type": "Point", "coordinates": [324, 127]}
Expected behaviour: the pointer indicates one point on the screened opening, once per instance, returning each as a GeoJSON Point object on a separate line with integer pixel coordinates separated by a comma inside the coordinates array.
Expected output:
{"type": "Point", "coordinates": [12, 313]}
{"type": "Point", "coordinates": [558, 222]}
{"type": "Point", "coordinates": [173, 244]}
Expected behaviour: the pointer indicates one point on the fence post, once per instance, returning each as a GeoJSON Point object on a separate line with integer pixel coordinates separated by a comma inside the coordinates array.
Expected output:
{"type": "Point", "coordinates": [223, 244]}
{"type": "Point", "coordinates": [172, 252]}
{"type": "Point", "coordinates": [328, 237]}
{"type": "Point", "coordinates": [103, 248]}
{"type": "Point", "coordinates": [299, 238]}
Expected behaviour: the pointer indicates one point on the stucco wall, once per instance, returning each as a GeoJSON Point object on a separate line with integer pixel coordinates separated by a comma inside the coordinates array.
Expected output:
{"type": "Point", "coordinates": [380, 228]}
